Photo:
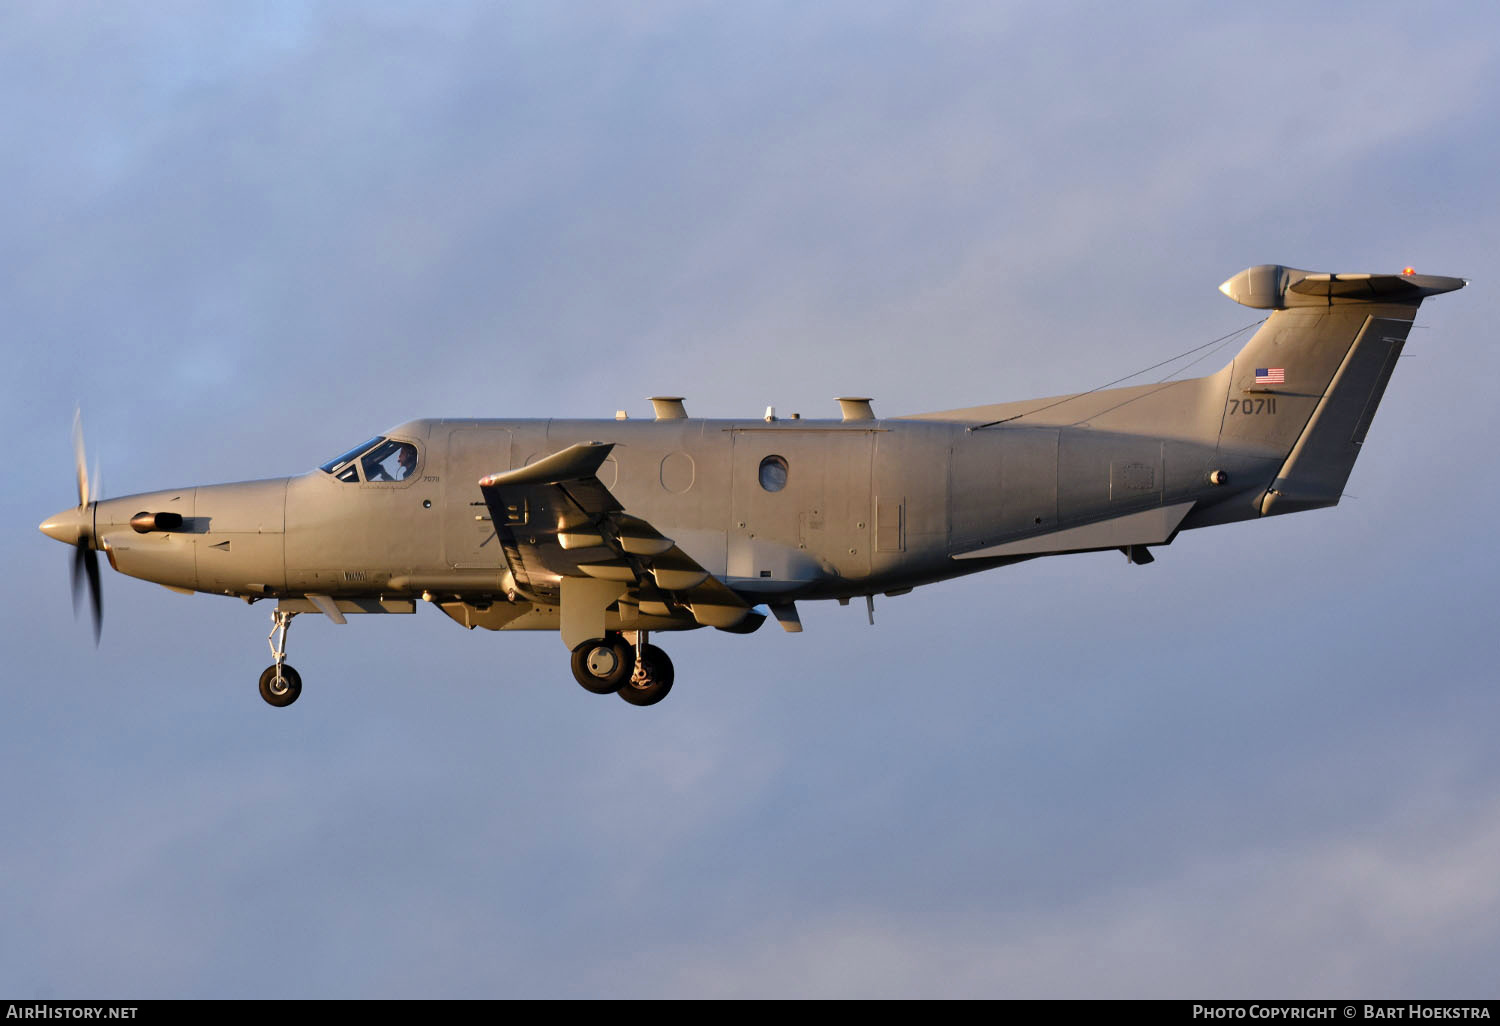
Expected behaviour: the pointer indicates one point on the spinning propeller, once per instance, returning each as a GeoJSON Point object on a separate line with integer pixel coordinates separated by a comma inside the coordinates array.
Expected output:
{"type": "Point", "coordinates": [75, 527]}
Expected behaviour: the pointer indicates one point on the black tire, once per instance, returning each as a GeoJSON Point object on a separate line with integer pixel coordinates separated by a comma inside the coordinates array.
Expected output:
{"type": "Point", "coordinates": [659, 675]}
{"type": "Point", "coordinates": [283, 692]}
{"type": "Point", "coordinates": [601, 665]}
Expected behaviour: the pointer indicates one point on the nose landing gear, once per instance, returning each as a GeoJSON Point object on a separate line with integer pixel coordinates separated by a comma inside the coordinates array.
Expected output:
{"type": "Point", "coordinates": [280, 684]}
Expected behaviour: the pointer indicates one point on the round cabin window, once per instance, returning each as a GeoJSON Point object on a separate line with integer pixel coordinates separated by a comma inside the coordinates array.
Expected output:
{"type": "Point", "coordinates": [773, 473]}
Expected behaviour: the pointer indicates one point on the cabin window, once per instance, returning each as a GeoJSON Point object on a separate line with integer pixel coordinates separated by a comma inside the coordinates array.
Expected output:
{"type": "Point", "coordinates": [773, 472]}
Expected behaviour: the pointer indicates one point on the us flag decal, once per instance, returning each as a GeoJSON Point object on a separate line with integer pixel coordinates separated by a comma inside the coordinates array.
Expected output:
{"type": "Point", "coordinates": [1270, 375]}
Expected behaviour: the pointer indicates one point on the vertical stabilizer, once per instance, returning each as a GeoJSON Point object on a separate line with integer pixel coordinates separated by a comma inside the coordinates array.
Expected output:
{"type": "Point", "coordinates": [1305, 387]}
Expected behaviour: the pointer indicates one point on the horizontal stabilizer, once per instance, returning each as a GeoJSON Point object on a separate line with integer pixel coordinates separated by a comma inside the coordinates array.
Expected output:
{"type": "Point", "coordinates": [1375, 286]}
{"type": "Point", "coordinates": [1148, 527]}
{"type": "Point", "coordinates": [1274, 287]}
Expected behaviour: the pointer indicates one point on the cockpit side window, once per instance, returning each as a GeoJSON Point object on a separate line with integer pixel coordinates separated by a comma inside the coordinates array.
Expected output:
{"type": "Point", "coordinates": [338, 461]}
{"type": "Point", "coordinates": [392, 461]}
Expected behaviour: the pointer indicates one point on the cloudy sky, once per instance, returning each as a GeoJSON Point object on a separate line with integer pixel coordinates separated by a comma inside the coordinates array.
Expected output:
{"type": "Point", "coordinates": [244, 237]}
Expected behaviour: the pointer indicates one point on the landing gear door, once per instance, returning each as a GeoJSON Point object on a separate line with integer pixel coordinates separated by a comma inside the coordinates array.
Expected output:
{"type": "Point", "coordinates": [468, 536]}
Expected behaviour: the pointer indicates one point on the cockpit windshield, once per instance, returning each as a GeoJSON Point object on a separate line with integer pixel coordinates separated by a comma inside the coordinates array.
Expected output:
{"type": "Point", "coordinates": [379, 459]}
{"type": "Point", "coordinates": [338, 461]}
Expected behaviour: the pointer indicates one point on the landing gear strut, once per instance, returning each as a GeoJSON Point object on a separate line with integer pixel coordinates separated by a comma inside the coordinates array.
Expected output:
{"type": "Point", "coordinates": [639, 673]}
{"type": "Point", "coordinates": [280, 684]}
{"type": "Point", "coordinates": [652, 677]}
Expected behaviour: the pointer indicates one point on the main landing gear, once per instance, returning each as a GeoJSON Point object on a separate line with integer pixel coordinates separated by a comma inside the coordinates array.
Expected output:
{"type": "Point", "coordinates": [637, 672]}
{"type": "Point", "coordinates": [621, 664]}
{"type": "Point", "coordinates": [280, 684]}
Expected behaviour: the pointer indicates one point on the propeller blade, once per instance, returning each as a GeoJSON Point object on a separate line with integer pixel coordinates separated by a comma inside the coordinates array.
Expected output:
{"type": "Point", "coordinates": [78, 574]}
{"type": "Point", "coordinates": [96, 598]}
{"type": "Point", "coordinates": [86, 567]}
{"type": "Point", "coordinates": [79, 460]}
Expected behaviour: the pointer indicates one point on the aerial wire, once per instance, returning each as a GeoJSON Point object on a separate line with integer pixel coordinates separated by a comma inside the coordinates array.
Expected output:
{"type": "Point", "coordinates": [1218, 343]}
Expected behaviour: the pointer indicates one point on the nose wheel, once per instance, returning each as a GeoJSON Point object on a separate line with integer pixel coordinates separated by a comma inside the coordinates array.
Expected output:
{"type": "Point", "coordinates": [280, 684]}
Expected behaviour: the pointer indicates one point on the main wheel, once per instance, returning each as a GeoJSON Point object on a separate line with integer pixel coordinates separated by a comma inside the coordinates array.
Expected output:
{"type": "Point", "coordinates": [283, 691]}
{"type": "Point", "coordinates": [658, 679]}
{"type": "Point", "coordinates": [601, 665]}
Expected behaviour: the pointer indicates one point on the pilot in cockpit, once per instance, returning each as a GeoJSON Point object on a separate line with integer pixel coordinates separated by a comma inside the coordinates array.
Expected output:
{"type": "Point", "coordinates": [384, 464]}
{"type": "Point", "coordinates": [406, 461]}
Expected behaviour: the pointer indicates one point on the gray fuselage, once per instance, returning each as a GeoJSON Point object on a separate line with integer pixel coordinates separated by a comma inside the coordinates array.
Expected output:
{"type": "Point", "coordinates": [866, 507]}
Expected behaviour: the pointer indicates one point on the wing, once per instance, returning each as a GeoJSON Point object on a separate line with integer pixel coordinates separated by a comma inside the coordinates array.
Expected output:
{"type": "Point", "coordinates": [556, 520]}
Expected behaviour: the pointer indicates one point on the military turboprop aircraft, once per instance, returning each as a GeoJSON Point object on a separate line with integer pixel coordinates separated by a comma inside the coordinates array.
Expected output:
{"type": "Point", "coordinates": [608, 530]}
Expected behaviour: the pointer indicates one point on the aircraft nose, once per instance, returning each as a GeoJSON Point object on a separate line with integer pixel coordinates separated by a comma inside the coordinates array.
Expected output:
{"type": "Point", "coordinates": [67, 526]}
